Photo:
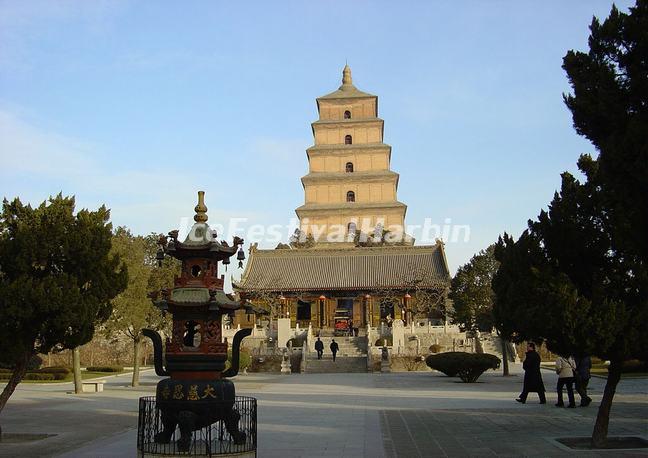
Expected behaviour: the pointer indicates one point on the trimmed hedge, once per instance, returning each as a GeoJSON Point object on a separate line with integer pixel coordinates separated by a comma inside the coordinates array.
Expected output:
{"type": "Point", "coordinates": [34, 363]}
{"type": "Point", "coordinates": [34, 376]}
{"type": "Point", "coordinates": [104, 369]}
{"type": "Point", "coordinates": [54, 370]}
{"type": "Point", "coordinates": [467, 366]}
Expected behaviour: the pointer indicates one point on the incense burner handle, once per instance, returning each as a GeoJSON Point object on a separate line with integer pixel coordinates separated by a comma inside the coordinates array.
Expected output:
{"type": "Point", "coordinates": [157, 351]}
{"type": "Point", "coordinates": [236, 350]}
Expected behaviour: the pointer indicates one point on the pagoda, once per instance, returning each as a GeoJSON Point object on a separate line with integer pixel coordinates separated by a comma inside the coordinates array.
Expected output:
{"type": "Point", "coordinates": [350, 184]}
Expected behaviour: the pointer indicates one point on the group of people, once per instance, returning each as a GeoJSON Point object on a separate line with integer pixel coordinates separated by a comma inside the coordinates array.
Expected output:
{"type": "Point", "coordinates": [319, 348]}
{"type": "Point", "coordinates": [571, 371]}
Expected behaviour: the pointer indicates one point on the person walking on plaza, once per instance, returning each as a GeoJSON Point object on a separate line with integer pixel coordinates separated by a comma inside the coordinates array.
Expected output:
{"type": "Point", "coordinates": [319, 347]}
{"type": "Point", "coordinates": [334, 348]}
{"type": "Point", "coordinates": [565, 369]}
{"type": "Point", "coordinates": [532, 376]}
{"type": "Point", "coordinates": [582, 378]}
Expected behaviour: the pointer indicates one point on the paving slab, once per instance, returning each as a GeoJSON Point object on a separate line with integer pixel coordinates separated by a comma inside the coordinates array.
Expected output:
{"type": "Point", "coordinates": [325, 415]}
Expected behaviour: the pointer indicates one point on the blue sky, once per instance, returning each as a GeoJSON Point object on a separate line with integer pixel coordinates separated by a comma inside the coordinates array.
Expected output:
{"type": "Point", "coordinates": [139, 104]}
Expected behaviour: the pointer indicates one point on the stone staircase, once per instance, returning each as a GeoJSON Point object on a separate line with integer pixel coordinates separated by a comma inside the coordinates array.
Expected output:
{"type": "Point", "coordinates": [352, 356]}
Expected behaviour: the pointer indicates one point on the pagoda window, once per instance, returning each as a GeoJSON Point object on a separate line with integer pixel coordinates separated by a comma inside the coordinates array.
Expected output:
{"type": "Point", "coordinates": [349, 167]}
{"type": "Point", "coordinates": [347, 114]}
{"type": "Point", "coordinates": [350, 196]}
{"type": "Point", "coordinates": [348, 140]}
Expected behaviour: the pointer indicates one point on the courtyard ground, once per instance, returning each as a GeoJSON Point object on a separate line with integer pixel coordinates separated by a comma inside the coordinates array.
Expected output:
{"type": "Point", "coordinates": [341, 415]}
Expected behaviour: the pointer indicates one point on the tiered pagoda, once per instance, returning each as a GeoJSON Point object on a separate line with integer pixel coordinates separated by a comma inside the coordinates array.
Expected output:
{"type": "Point", "coordinates": [350, 183]}
{"type": "Point", "coordinates": [350, 191]}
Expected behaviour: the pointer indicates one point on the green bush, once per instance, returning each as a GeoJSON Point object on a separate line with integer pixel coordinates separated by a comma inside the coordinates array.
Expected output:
{"type": "Point", "coordinates": [105, 369]}
{"type": "Point", "coordinates": [467, 366]}
{"type": "Point", "coordinates": [389, 342]}
{"type": "Point", "coordinates": [37, 376]}
{"type": "Point", "coordinates": [34, 376]}
{"type": "Point", "coordinates": [34, 363]}
{"type": "Point", "coordinates": [244, 359]}
{"type": "Point", "coordinates": [297, 341]}
{"type": "Point", "coordinates": [54, 370]}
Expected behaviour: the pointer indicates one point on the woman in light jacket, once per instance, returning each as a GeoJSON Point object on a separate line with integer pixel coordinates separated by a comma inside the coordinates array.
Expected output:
{"type": "Point", "coordinates": [565, 369]}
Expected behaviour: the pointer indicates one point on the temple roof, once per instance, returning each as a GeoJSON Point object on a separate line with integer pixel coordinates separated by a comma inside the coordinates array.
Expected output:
{"type": "Point", "coordinates": [366, 269]}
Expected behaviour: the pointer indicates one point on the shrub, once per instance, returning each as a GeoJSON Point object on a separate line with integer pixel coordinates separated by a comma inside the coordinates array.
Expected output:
{"type": "Point", "coordinates": [297, 341]}
{"type": "Point", "coordinates": [54, 370]}
{"type": "Point", "coordinates": [270, 363]}
{"type": "Point", "coordinates": [34, 376]}
{"type": "Point", "coordinates": [104, 369]}
{"type": "Point", "coordinates": [467, 366]}
{"type": "Point", "coordinates": [389, 341]}
{"type": "Point", "coordinates": [244, 359]}
{"type": "Point", "coordinates": [435, 348]}
{"type": "Point", "coordinates": [34, 363]}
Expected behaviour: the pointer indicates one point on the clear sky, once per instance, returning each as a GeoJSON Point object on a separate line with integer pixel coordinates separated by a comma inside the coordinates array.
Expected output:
{"type": "Point", "coordinates": [140, 104]}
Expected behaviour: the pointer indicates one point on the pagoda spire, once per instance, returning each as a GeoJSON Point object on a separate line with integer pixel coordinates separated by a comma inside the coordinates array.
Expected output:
{"type": "Point", "coordinates": [347, 81]}
{"type": "Point", "coordinates": [201, 209]}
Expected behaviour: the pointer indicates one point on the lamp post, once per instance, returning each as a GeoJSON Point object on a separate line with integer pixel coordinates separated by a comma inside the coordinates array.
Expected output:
{"type": "Point", "coordinates": [322, 298]}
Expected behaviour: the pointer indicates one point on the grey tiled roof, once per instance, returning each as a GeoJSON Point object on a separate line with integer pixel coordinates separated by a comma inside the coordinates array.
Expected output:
{"type": "Point", "coordinates": [345, 269]}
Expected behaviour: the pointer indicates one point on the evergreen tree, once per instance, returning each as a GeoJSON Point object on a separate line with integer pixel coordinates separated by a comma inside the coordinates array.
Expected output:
{"type": "Point", "coordinates": [471, 292]}
{"type": "Point", "coordinates": [577, 277]}
{"type": "Point", "coordinates": [133, 310]}
{"type": "Point", "coordinates": [472, 296]}
{"type": "Point", "coordinates": [57, 279]}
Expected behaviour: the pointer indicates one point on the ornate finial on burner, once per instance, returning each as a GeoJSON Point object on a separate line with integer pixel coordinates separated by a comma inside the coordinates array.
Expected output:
{"type": "Point", "coordinates": [201, 209]}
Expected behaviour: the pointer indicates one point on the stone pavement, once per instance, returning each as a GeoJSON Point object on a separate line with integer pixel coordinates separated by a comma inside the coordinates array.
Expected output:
{"type": "Point", "coordinates": [342, 415]}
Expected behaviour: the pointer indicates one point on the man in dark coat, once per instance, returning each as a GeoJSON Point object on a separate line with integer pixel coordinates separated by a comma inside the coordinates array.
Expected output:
{"type": "Point", "coordinates": [319, 347]}
{"type": "Point", "coordinates": [532, 377]}
{"type": "Point", "coordinates": [334, 348]}
{"type": "Point", "coordinates": [583, 375]}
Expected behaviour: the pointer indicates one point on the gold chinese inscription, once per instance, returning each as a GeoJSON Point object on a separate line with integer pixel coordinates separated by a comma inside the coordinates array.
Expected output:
{"type": "Point", "coordinates": [166, 392]}
{"type": "Point", "coordinates": [177, 392]}
{"type": "Point", "coordinates": [209, 392]}
{"type": "Point", "coordinates": [193, 393]}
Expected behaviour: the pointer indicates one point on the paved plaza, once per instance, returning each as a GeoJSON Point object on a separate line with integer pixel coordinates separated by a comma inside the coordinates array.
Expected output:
{"type": "Point", "coordinates": [341, 415]}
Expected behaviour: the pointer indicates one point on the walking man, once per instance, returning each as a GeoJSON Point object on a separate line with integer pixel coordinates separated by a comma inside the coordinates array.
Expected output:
{"type": "Point", "coordinates": [334, 348]}
{"type": "Point", "coordinates": [319, 347]}
{"type": "Point", "coordinates": [532, 376]}
{"type": "Point", "coordinates": [582, 376]}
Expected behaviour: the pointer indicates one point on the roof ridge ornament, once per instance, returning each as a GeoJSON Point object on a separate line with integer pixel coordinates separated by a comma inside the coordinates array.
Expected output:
{"type": "Point", "coordinates": [201, 209]}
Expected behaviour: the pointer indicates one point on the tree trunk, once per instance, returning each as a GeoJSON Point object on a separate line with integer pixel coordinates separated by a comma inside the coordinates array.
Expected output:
{"type": "Point", "coordinates": [599, 435]}
{"type": "Point", "coordinates": [16, 377]}
{"type": "Point", "coordinates": [136, 360]}
{"type": "Point", "coordinates": [479, 348]}
{"type": "Point", "coordinates": [505, 357]}
{"type": "Point", "coordinates": [76, 364]}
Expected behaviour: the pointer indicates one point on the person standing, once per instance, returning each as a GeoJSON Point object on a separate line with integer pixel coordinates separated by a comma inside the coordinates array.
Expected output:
{"type": "Point", "coordinates": [532, 376]}
{"type": "Point", "coordinates": [319, 348]}
{"type": "Point", "coordinates": [565, 371]}
{"type": "Point", "coordinates": [582, 377]}
{"type": "Point", "coordinates": [334, 348]}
